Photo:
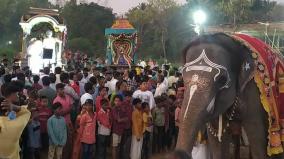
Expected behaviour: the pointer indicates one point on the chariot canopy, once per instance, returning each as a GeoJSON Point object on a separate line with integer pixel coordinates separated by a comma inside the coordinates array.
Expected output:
{"type": "Point", "coordinates": [121, 43]}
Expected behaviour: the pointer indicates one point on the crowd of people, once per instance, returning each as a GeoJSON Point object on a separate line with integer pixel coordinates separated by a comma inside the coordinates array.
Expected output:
{"type": "Point", "coordinates": [96, 112]}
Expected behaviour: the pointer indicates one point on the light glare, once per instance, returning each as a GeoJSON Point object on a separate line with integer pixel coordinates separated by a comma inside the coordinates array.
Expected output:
{"type": "Point", "coordinates": [199, 17]}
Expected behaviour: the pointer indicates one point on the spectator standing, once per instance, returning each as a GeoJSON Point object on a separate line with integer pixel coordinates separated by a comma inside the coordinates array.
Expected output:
{"type": "Point", "coordinates": [57, 132]}
{"type": "Point", "coordinates": [11, 127]}
{"type": "Point", "coordinates": [36, 84]}
{"type": "Point", "coordinates": [47, 91]}
{"type": "Point", "coordinates": [44, 114]}
{"type": "Point", "coordinates": [137, 130]}
{"type": "Point", "coordinates": [127, 132]}
{"type": "Point", "coordinates": [147, 131]}
{"type": "Point", "coordinates": [111, 82]}
{"type": "Point", "coordinates": [34, 139]}
{"type": "Point", "coordinates": [46, 71]}
{"type": "Point", "coordinates": [119, 117]}
{"type": "Point", "coordinates": [89, 91]}
{"type": "Point", "coordinates": [57, 72]}
{"type": "Point", "coordinates": [52, 79]}
{"type": "Point", "coordinates": [102, 95]}
{"type": "Point", "coordinates": [77, 147]}
{"type": "Point", "coordinates": [64, 78]}
{"type": "Point", "coordinates": [159, 125]}
{"type": "Point", "coordinates": [104, 129]}
{"type": "Point", "coordinates": [87, 130]}
{"type": "Point", "coordinates": [66, 102]}
{"type": "Point", "coordinates": [145, 95]}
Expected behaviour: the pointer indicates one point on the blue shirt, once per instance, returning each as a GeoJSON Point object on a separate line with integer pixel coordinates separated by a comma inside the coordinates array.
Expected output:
{"type": "Point", "coordinates": [57, 130]}
{"type": "Point", "coordinates": [34, 134]}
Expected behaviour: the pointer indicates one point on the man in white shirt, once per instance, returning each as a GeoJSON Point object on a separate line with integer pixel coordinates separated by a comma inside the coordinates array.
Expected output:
{"type": "Point", "coordinates": [88, 95]}
{"type": "Point", "coordinates": [145, 95]}
{"type": "Point", "coordinates": [111, 82]}
{"type": "Point", "coordinates": [161, 86]}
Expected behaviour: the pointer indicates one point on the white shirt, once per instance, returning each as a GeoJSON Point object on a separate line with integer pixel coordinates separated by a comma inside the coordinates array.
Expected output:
{"type": "Point", "coordinates": [85, 97]}
{"type": "Point", "coordinates": [57, 79]}
{"type": "Point", "coordinates": [102, 130]}
{"type": "Point", "coordinates": [160, 89]}
{"type": "Point", "coordinates": [111, 85]}
{"type": "Point", "coordinates": [40, 80]}
{"type": "Point", "coordinates": [171, 80]}
{"type": "Point", "coordinates": [146, 96]}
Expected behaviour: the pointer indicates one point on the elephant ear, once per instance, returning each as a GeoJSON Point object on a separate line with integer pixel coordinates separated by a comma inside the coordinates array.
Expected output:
{"type": "Point", "coordinates": [246, 70]}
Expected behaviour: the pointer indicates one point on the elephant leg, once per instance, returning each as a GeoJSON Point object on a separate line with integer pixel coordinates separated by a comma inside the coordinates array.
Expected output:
{"type": "Point", "coordinates": [219, 150]}
{"type": "Point", "coordinates": [254, 121]}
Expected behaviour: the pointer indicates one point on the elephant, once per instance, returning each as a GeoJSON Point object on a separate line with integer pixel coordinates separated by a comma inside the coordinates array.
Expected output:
{"type": "Point", "coordinates": [218, 82]}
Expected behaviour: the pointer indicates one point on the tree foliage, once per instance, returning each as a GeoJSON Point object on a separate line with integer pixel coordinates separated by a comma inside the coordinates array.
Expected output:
{"type": "Point", "coordinates": [88, 22]}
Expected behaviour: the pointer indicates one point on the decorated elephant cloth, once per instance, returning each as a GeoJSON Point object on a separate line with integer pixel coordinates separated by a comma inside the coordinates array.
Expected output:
{"type": "Point", "coordinates": [268, 74]}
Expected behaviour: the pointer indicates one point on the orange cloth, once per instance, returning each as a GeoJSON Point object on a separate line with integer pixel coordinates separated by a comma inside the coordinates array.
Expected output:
{"type": "Point", "coordinates": [88, 128]}
{"type": "Point", "coordinates": [137, 121]}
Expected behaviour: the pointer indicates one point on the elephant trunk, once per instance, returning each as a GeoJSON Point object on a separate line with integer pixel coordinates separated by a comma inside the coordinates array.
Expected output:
{"type": "Point", "coordinates": [188, 130]}
{"type": "Point", "coordinates": [192, 119]}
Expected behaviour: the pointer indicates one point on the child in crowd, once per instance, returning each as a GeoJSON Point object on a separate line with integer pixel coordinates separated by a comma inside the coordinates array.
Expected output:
{"type": "Point", "coordinates": [44, 113]}
{"type": "Point", "coordinates": [137, 130]}
{"type": "Point", "coordinates": [147, 130]}
{"type": "Point", "coordinates": [87, 130]}
{"type": "Point", "coordinates": [34, 142]}
{"type": "Point", "coordinates": [57, 132]}
{"type": "Point", "coordinates": [77, 147]}
{"type": "Point", "coordinates": [66, 101]}
{"type": "Point", "coordinates": [127, 135]}
{"type": "Point", "coordinates": [102, 95]}
{"type": "Point", "coordinates": [119, 117]}
{"type": "Point", "coordinates": [159, 125]}
{"type": "Point", "coordinates": [104, 129]}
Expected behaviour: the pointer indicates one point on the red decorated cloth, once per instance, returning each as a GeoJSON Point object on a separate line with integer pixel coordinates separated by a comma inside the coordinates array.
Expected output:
{"type": "Point", "coordinates": [268, 75]}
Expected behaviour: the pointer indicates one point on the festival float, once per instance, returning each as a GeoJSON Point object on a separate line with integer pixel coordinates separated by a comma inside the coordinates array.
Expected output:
{"type": "Point", "coordinates": [121, 44]}
{"type": "Point", "coordinates": [43, 41]}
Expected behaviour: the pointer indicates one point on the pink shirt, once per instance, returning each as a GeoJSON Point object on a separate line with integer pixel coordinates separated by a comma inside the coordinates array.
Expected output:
{"type": "Point", "coordinates": [88, 129]}
{"type": "Point", "coordinates": [66, 103]}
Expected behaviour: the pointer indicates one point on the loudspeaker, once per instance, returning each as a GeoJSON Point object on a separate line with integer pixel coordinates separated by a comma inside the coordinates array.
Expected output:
{"type": "Point", "coordinates": [47, 53]}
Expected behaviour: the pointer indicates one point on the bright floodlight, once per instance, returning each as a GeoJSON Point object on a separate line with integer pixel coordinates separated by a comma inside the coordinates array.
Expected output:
{"type": "Point", "coordinates": [199, 17]}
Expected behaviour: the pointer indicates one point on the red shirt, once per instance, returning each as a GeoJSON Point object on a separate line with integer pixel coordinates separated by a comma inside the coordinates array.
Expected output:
{"type": "Point", "coordinates": [66, 103]}
{"type": "Point", "coordinates": [98, 103]}
{"type": "Point", "coordinates": [37, 86]}
{"type": "Point", "coordinates": [88, 128]}
{"type": "Point", "coordinates": [128, 108]}
{"type": "Point", "coordinates": [118, 113]}
{"type": "Point", "coordinates": [76, 87]}
{"type": "Point", "coordinates": [44, 114]}
{"type": "Point", "coordinates": [104, 118]}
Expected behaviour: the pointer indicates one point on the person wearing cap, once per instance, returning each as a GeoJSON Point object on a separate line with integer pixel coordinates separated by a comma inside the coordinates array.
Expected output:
{"type": "Point", "coordinates": [89, 91]}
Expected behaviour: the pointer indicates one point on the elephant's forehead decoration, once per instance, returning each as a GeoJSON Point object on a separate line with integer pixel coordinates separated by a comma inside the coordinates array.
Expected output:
{"type": "Point", "coordinates": [203, 63]}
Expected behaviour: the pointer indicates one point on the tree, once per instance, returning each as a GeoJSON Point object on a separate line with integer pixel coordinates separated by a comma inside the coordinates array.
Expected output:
{"type": "Point", "coordinates": [81, 44]}
{"type": "Point", "coordinates": [88, 21]}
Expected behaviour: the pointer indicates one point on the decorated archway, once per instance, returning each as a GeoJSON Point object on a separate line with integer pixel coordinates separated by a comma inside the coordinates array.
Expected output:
{"type": "Point", "coordinates": [43, 39]}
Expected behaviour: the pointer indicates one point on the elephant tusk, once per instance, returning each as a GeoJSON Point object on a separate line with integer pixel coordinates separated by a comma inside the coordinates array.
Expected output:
{"type": "Point", "coordinates": [220, 128]}
{"type": "Point", "coordinates": [193, 88]}
{"type": "Point", "coordinates": [211, 105]}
